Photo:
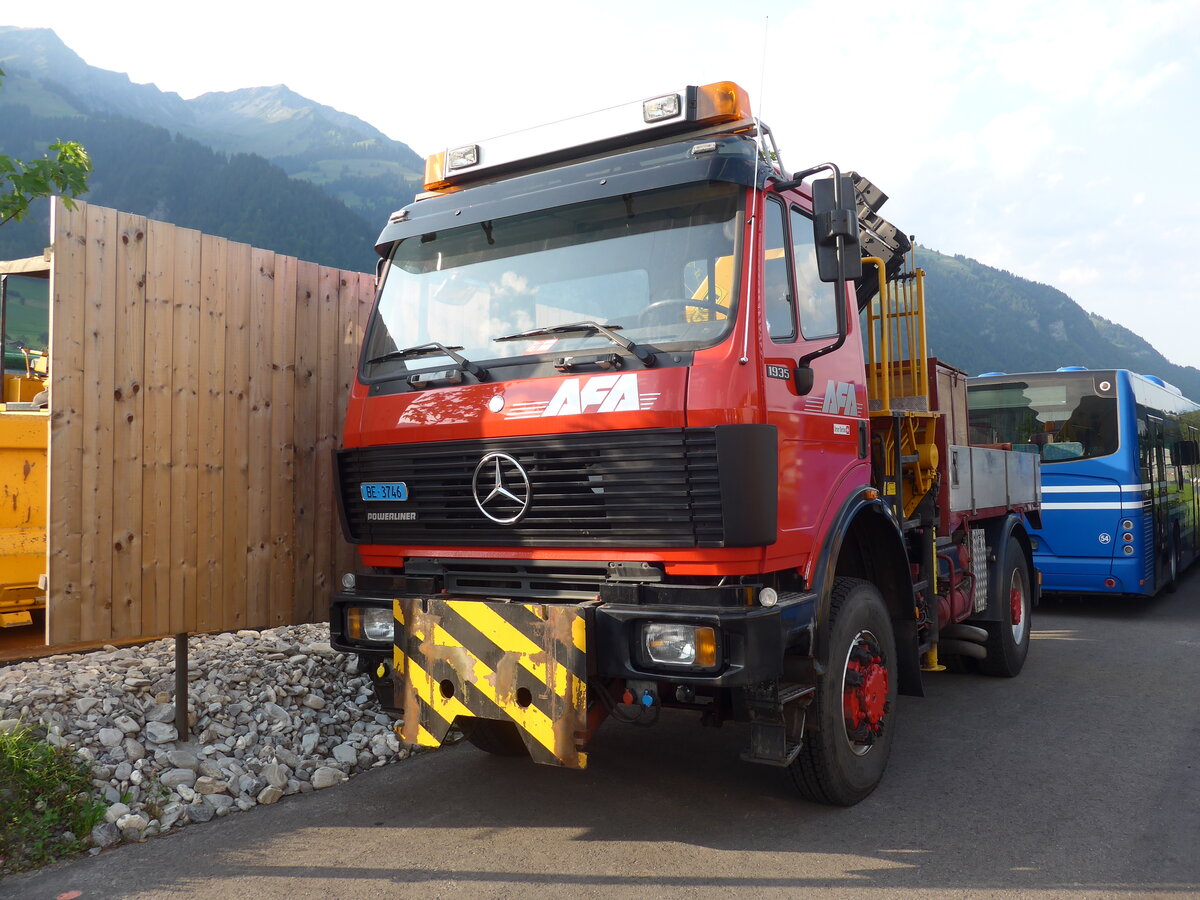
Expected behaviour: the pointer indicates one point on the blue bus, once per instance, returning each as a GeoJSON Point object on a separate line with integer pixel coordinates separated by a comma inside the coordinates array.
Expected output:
{"type": "Point", "coordinates": [1119, 473]}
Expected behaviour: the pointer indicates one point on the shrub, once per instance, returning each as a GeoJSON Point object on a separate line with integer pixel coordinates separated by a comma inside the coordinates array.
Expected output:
{"type": "Point", "coordinates": [47, 807]}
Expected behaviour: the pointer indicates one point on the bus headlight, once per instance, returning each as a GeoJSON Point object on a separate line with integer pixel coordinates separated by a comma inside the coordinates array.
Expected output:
{"type": "Point", "coordinates": [370, 623]}
{"type": "Point", "coordinates": [675, 644]}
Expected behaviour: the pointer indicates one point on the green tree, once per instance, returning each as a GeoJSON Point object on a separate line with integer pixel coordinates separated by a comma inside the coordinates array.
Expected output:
{"type": "Point", "coordinates": [23, 182]}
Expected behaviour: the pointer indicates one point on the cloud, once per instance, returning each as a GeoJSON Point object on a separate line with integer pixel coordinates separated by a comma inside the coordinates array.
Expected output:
{"type": "Point", "coordinates": [1076, 276]}
{"type": "Point", "coordinates": [1013, 141]}
{"type": "Point", "coordinates": [1120, 89]}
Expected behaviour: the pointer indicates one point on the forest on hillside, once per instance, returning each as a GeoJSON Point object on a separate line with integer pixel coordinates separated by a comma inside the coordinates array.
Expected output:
{"type": "Point", "coordinates": [148, 171]}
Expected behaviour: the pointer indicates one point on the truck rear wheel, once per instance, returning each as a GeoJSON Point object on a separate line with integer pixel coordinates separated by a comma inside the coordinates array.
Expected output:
{"type": "Point", "coordinates": [498, 738]}
{"type": "Point", "coordinates": [1008, 639]}
{"type": "Point", "coordinates": [846, 749]}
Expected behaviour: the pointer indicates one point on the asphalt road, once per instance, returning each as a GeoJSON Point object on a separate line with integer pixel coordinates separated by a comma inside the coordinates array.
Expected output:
{"type": "Point", "coordinates": [1077, 779]}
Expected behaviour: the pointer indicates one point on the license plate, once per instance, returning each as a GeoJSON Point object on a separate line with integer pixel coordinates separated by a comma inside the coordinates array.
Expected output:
{"type": "Point", "coordinates": [387, 490]}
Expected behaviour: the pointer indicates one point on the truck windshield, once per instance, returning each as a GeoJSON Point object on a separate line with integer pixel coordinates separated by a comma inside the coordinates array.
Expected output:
{"type": "Point", "coordinates": [656, 267]}
{"type": "Point", "coordinates": [1061, 420]}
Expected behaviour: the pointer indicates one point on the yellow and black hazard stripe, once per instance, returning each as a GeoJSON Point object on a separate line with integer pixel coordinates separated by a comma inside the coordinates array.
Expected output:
{"type": "Point", "coordinates": [512, 662]}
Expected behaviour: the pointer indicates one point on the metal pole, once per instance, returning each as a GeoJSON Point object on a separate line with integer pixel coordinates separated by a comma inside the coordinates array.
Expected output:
{"type": "Point", "coordinates": [181, 687]}
{"type": "Point", "coordinates": [3, 324]}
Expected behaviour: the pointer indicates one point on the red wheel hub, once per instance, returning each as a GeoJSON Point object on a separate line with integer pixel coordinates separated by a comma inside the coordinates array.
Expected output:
{"type": "Point", "coordinates": [864, 703]}
{"type": "Point", "coordinates": [1016, 603]}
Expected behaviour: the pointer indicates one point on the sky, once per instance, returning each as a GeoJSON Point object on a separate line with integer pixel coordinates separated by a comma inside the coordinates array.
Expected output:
{"type": "Point", "coordinates": [1056, 139]}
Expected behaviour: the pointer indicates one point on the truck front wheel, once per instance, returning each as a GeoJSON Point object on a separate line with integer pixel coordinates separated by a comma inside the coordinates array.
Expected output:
{"type": "Point", "coordinates": [846, 749]}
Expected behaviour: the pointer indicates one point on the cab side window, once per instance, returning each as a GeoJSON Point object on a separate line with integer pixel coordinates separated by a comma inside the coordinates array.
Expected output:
{"type": "Point", "coordinates": [815, 299]}
{"type": "Point", "coordinates": [778, 294]}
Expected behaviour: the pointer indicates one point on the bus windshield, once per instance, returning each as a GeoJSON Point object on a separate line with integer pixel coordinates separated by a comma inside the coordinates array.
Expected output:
{"type": "Point", "coordinates": [1059, 418]}
{"type": "Point", "coordinates": [656, 267]}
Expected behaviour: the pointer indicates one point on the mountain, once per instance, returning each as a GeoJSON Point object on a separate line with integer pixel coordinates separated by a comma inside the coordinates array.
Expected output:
{"type": "Point", "coordinates": [143, 169]}
{"type": "Point", "coordinates": [348, 158]}
{"type": "Point", "coordinates": [272, 168]}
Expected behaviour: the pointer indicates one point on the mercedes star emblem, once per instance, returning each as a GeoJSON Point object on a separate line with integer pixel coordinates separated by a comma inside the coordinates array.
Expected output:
{"type": "Point", "coordinates": [501, 489]}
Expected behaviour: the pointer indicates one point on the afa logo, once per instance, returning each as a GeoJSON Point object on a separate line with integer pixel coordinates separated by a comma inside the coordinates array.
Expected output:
{"type": "Point", "coordinates": [602, 394]}
{"type": "Point", "coordinates": [598, 394]}
{"type": "Point", "coordinates": [840, 398]}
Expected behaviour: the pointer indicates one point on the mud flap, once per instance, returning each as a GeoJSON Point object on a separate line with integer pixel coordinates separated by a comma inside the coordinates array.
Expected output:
{"type": "Point", "coordinates": [491, 659]}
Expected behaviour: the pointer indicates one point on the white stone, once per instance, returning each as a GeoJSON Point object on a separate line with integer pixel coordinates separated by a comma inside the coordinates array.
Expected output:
{"type": "Point", "coordinates": [218, 801]}
{"type": "Point", "coordinates": [173, 778]}
{"type": "Point", "coordinates": [183, 759]}
{"type": "Point", "coordinates": [326, 776]}
{"type": "Point", "coordinates": [132, 822]}
{"type": "Point", "coordinates": [161, 712]}
{"type": "Point", "coordinates": [206, 785]}
{"type": "Point", "coordinates": [116, 811]}
{"type": "Point", "coordinates": [161, 732]}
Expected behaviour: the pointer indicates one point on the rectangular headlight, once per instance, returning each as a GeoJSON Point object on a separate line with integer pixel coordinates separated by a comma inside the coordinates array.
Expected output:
{"type": "Point", "coordinates": [370, 623]}
{"type": "Point", "coordinates": [674, 644]}
{"type": "Point", "coordinates": [463, 157]}
{"type": "Point", "coordinates": [661, 108]}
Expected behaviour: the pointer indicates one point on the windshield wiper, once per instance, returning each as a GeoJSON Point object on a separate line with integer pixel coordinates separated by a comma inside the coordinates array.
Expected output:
{"type": "Point", "coordinates": [433, 349]}
{"type": "Point", "coordinates": [586, 328]}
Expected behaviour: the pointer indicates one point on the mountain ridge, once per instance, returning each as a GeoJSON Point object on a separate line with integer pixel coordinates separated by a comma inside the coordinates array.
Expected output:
{"type": "Point", "coordinates": [317, 143]}
{"type": "Point", "coordinates": [258, 153]}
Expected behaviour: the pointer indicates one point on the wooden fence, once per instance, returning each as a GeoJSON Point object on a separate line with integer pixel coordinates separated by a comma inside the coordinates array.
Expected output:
{"type": "Point", "coordinates": [197, 391]}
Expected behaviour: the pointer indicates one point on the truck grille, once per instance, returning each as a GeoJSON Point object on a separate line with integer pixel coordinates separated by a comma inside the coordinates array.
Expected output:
{"type": "Point", "coordinates": [656, 487]}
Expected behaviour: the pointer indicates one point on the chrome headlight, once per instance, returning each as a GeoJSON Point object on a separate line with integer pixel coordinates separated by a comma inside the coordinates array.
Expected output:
{"type": "Point", "coordinates": [370, 623]}
{"type": "Point", "coordinates": [676, 644]}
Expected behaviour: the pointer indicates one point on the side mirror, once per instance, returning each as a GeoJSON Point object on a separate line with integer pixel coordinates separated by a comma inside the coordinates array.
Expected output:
{"type": "Point", "coordinates": [804, 380]}
{"type": "Point", "coordinates": [835, 230]}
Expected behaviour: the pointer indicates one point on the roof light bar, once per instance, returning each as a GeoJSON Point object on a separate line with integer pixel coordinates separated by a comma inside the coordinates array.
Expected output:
{"type": "Point", "coordinates": [698, 109]}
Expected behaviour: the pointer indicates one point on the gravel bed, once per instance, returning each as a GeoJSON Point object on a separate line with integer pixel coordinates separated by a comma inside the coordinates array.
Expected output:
{"type": "Point", "coordinates": [272, 713]}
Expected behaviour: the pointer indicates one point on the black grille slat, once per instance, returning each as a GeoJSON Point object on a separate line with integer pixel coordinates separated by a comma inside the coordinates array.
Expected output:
{"type": "Point", "coordinates": [631, 488]}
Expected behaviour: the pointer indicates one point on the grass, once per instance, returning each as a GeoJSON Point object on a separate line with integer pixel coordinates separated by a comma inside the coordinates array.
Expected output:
{"type": "Point", "coordinates": [47, 807]}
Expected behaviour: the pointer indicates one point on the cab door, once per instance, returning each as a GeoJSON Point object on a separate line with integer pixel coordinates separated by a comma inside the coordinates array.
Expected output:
{"type": "Point", "coordinates": [821, 434]}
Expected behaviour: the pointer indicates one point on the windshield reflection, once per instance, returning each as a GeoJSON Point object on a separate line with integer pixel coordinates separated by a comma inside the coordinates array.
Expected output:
{"type": "Point", "coordinates": [657, 267]}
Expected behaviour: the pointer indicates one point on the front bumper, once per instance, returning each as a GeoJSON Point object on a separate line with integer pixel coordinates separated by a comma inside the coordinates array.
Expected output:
{"type": "Point", "coordinates": [529, 663]}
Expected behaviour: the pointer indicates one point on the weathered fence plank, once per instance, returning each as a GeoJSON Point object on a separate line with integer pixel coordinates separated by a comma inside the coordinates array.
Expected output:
{"type": "Point", "coordinates": [197, 392]}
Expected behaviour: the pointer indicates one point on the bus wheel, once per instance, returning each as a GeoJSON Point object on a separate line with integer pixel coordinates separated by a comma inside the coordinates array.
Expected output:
{"type": "Point", "coordinates": [1172, 563]}
{"type": "Point", "coordinates": [1008, 639]}
{"type": "Point", "coordinates": [846, 748]}
{"type": "Point", "coordinates": [497, 738]}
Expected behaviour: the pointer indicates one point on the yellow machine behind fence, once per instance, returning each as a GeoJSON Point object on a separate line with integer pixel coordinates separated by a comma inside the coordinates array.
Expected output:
{"type": "Point", "coordinates": [24, 440]}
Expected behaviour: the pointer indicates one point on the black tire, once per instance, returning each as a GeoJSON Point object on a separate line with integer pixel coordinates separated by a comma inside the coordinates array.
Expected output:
{"type": "Point", "coordinates": [841, 760]}
{"type": "Point", "coordinates": [497, 738]}
{"type": "Point", "coordinates": [1172, 564]}
{"type": "Point", "coordinates": [1011, 593]}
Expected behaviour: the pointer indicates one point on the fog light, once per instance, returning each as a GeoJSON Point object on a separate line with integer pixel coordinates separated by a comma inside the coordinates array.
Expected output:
{"type": "Point", "coordinates": [463, 157]}
{"type": "Point", "coordinates": [673, 644]}
{"type": "Point", "coordinates": [661, 108]}
{"type": "Point", "coordinates": [348, 581]}
{"type": "Point", "coordinates": [370, 623]}
{"type": "Point", "coordinates": [768, 596]}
